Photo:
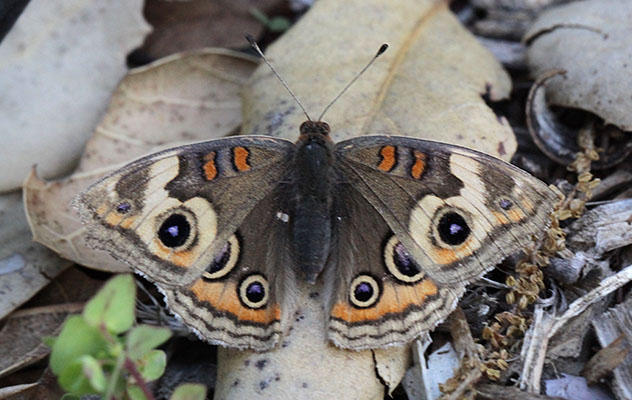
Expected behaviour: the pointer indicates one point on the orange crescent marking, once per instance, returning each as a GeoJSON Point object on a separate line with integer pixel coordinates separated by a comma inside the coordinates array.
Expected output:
{"type": "Point", "coordinates": [388, 158]}
{"type": "Point", "coordinates": [419, 166]}
{"type": "Point", "coordinates": [528, 205]}
{"type": "Point", "coordinates": [127, 222]}
{"type": "Point", "coordinates": [102, 209]}
{"type": "Point", "coordinates": [516, 215]}
{"type": "Point", "coordinates": [182, 258]}
{"type": "Point", "coordinates": [210, 170]}
{"type": "Point", "coordinates": [113, 218]}
{"type": "Point", "coordinates": [241, 158]}
{"type": "Point", "coordinates": [223, 297]}
{"type": "Point", "coordinates": [500, 217]}
{"type": "Point", "coordinates": [444, 256]}
{"type": "Point", "coordinates": [513, 215]}
{"type": "Point", "coordinates": [394, 300]}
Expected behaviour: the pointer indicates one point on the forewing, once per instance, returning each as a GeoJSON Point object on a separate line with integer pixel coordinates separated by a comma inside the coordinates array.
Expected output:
{"type": "Point", "coordinates": [457, 211]}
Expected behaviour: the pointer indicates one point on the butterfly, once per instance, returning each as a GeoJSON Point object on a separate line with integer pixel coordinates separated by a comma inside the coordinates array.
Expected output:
{"type": "Point", "coordinates": [395, 227]}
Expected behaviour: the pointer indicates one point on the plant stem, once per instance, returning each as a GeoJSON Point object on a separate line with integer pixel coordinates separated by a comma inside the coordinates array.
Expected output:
{"type": "Point", "coordinates": [140, 381]}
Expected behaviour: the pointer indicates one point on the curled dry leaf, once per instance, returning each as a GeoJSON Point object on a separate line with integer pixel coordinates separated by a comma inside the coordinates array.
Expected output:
{"type": "Point", "coordinates": [181, 99]}
{"type": "Point", "coordinates": [591, 41]}
{"type": "Point", "coordinates": [60, 63]}
{"type": "Point", "coordinates": [561, 143]}
{"type": "Point", "coordinates": [429, 84]}
{"type": "Point", "coordinates": [25, 267]}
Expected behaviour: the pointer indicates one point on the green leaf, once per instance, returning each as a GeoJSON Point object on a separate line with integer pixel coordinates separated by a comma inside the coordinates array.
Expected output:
{"type": "Point", "coordinates": [152, 365]}
{"type": "Point", "coordinates": [275, 24]}
{"type": "Point", "coordinates": [279, 24]}
{"type": "Point", "coordinates": [259, 16]}
{"type": "Point", "coordinates": [49, 341]}
{"type": "Point", "coordinates": [135, 393]}
{"type": "Point", "coordinates": [93, 371]}
{"type": "Point", "coordinates": [75, 340]}
{"type": "Point", "coordinates": [144, 338]}
{"type": "Point", "coordinates": [113, 305]}
{"type": "Point", "coordinates": [70, 396]}
{"type": "Point", "coordinates": [74, 379]}
{"type": "Point", "coordinates": [189, 391]}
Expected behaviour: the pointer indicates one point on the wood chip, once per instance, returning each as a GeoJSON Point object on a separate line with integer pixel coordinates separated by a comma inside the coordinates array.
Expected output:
{"type": "Point", "coordinates": [609, 327]}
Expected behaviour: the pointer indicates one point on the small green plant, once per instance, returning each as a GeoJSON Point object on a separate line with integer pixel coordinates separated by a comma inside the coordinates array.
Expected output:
{"type": "Point", "coordinates": [102, 352]}
{"type": "Point", "coordinates": [274, 24]}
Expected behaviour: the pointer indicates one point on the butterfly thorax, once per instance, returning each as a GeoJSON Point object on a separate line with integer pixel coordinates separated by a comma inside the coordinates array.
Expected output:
{"type": "Point", "coordinates": [311, 222]}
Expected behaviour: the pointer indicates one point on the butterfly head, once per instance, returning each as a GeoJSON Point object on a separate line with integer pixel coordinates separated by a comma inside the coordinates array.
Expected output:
{"type": "Point", "coordinates": [314, 131]}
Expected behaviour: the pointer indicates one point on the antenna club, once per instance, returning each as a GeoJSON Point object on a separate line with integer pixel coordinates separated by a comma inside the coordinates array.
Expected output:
{"type": "Point", "coordinates": [381, 50]}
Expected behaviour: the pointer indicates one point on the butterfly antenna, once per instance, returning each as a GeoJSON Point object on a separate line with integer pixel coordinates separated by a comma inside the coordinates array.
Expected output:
{"type": "Point", "coordinates": [255, 46]}
{"type": "Point", "coordinates": [381, 51]}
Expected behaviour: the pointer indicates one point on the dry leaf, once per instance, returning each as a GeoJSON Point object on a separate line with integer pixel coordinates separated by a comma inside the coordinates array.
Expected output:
{"type": "Point", "coordinates": [307, 365]}
{"type": "Point", "coordinates": [25, 267]}
{"type": "Point", "coordinates": [178, 100]}
{"type": "Point", "coordinates": [428, 84]}
{"type": "Point", "coordinates": [591, 41]}
{"type": "Point", "coordinates": [59, 65]}
{"type": "Point", "coordinates": [21, 336]}
{"type": "Point", "coordinates": [46, 388]}
{"type": "Point", "coordinates": [193, 24]}
{"type": "Point", "coordinates": [609, 326]}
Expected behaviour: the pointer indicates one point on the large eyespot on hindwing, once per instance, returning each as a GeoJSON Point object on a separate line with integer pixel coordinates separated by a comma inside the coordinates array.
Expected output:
{"type": "Point", "coordinates": [225, 261]}
{"type": "Point", "coordinates": [400, 263]}
{"type": "Point", "coordinates": [364, 291]}
{"type": "Point", "coordinates": [253, 291]}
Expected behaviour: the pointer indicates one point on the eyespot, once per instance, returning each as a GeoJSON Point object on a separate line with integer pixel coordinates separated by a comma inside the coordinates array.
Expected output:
{"type": "Point", "coordinates": [253, 291]}
{"type": "Point", "coordinates": [505, 204]}
{"type": "Point", "coordinates": [400, 263]}
{"type": "Point", "coordinates": [123, 207]}
{"type": "Point", "coordinates": [364, 291]}
{"type": "Point", "coordinates": [224, 261]}
{"type": "Point", "coordinates": [453, 229]}
{"type": "Point", "coordinates": [177, 228]}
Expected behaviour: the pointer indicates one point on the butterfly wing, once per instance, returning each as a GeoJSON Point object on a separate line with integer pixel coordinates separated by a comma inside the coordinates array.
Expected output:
{"type": "Point", "coordinates": [377, 294]}
{"type": "Point", "coordinates": [243, 299]}
{"type": "Point", "coordinates": [457, 211]}
{"type": "Point", "coordinates": [191, 219]}
{"type": "Point", "coordinates": [442, 215]}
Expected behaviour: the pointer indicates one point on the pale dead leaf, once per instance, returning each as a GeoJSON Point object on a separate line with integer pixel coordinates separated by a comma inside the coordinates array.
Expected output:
{"type": "Point", "coordinates": [429, 83]}
{"type": "Point", "coordinates": [178, 100]}
{"type": "Point", "coordinates": [391, 365]}
{"type": "Point", "coordinates": [58, 67]}
{"type": "Point", "coordinates": [25, 267]}
{"type": "Point", "coordinates": [307, 365]}
{"type": "Point", "coordinates": [21, 336]}
{"type": "Point", "coordinates": [591, 41]}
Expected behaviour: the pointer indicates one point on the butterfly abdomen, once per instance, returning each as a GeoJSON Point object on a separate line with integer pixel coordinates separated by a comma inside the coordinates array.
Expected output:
{"type": "Point", "coordinates": [311, 226]}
